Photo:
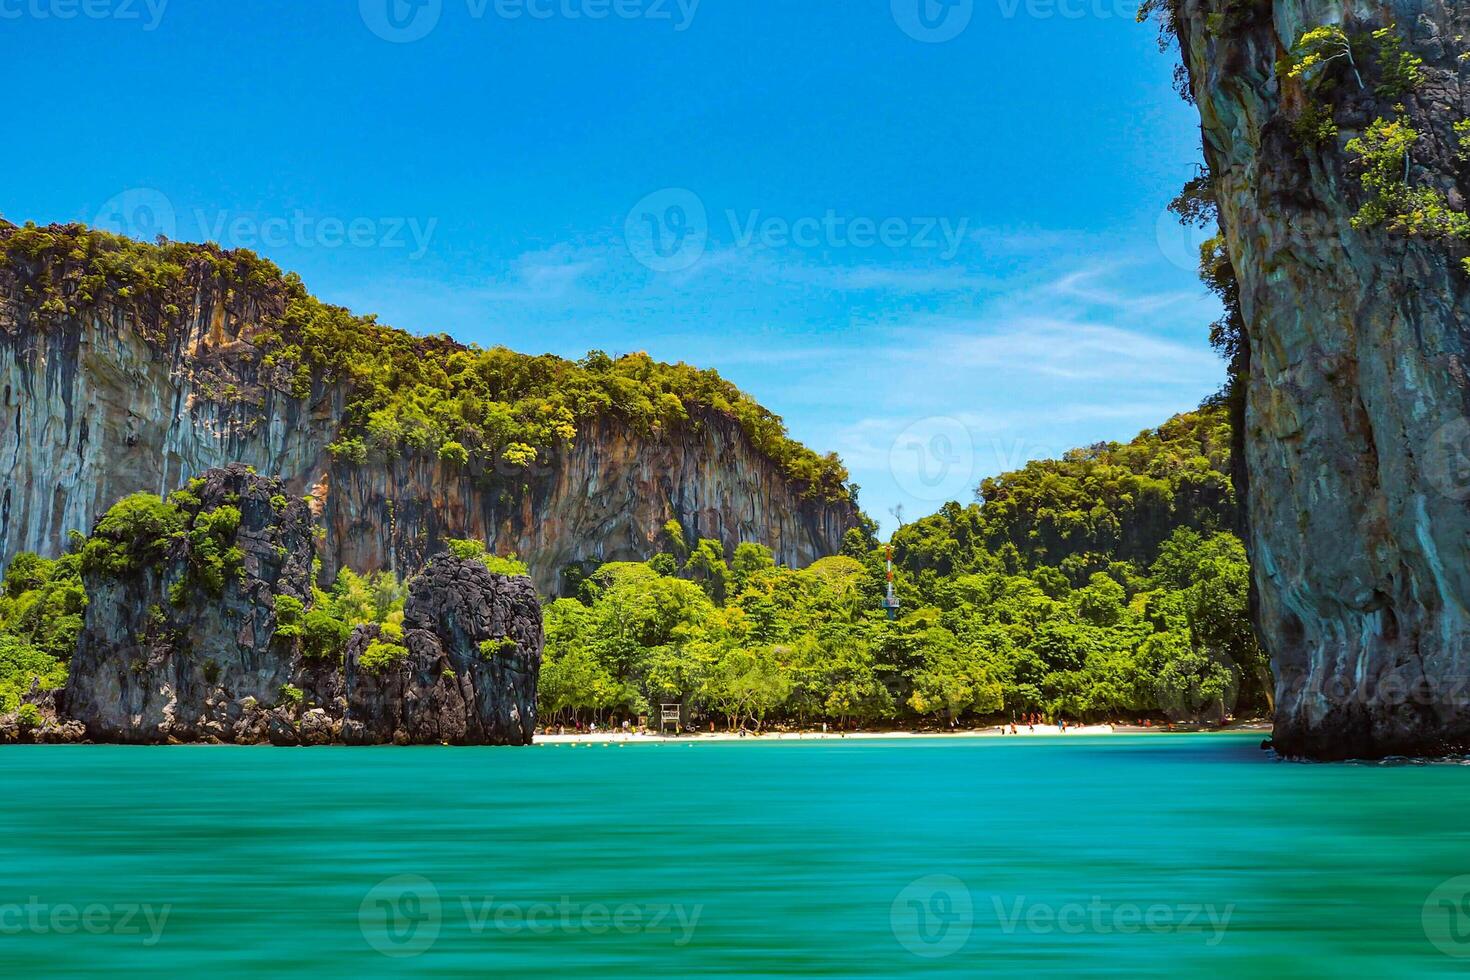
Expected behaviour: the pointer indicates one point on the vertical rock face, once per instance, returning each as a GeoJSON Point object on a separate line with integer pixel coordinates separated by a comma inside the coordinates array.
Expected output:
{"type": "Point", "coordinates": [164, 656]}
{"type": "Point", "coordinates": [1356, 438]}
{"type": "Point", "coordinates": [604, 497]}
{"type": "Point", "coordinates": [473, 642]}
{"type": "Point", "coordinates": [169, 652]}
{"type": "Point", "coordinates": [116, 400]}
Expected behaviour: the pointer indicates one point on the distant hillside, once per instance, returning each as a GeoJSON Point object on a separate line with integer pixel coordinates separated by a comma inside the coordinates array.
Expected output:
{"type": "Point", "coordinates": [1107, 503]}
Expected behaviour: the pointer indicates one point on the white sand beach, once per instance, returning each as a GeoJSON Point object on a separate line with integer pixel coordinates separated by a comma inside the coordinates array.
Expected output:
{"type": "Point", "coordinates": [993, 731]}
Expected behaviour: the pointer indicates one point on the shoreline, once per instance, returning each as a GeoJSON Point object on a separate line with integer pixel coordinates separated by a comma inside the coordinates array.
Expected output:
{"type": "Point", "coordinates": [992, 732]}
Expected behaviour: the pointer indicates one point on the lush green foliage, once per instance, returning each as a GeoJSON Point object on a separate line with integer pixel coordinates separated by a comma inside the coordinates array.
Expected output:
{"type": "Point", "coordinates": [1096, 505]}
{"type": "Point", "coordinates": [1314, 54]}
{"type": "Point", "coordinates": [476, 551]}
{"type": "Point", "coordinates": [1400, 72]}
{"type": "Point", "coordinates": [386, 652]}
{"type": "Point", "coordinates": [1103, 585]}
{"type": "Point", "coordinates": [136, 533]}
{"type": "Point", "coordinates": [494, 408]}
{"type": "Point", "coordinates": [323, 627]}
{"type": "Point", "coordinates": [1384, 150]}
{"type": "Point", "coordinates": [140, 532]}
{"type": "Point", "coordinates": [41, 607]}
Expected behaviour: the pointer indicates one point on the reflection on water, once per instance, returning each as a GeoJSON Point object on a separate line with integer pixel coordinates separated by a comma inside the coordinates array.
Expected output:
{"type": "Point", "coordinates": [938, 858]}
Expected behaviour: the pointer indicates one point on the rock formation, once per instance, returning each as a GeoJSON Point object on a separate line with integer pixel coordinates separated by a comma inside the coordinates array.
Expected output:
{"type": "Point", "coordinates": [473, 645]}
{"type": "Point", "coordinates": [186, 637]}
{"type": "Point", "coordinates": [166, 654]}
{"type": "Point", "coordinates": [1357, 396]}
{"type": "Point", "coordinates": [115, 395]}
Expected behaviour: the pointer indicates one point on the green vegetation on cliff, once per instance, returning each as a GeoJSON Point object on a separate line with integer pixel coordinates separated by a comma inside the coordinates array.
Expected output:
{"type": "Point", "coordinates": [1107, 584]}
{"type": "Point", "coordinates": [405, 393]}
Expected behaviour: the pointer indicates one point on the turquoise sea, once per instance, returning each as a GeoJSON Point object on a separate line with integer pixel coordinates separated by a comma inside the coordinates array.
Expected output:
{"type": "Point", "coordinates": [1014, 857]}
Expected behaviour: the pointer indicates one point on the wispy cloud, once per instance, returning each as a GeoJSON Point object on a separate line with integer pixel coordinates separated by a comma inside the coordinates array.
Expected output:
{"type": "Point", "coordinates": [1091, 286]}
{"type": "Point", "coordinates": [1065, 350]}
{"type": "Point", "coordinates": [548, 275]}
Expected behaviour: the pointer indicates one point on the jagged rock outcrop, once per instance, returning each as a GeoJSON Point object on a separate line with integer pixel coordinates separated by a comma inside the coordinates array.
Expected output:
{"type": "Point", "coordinates": [186, 637]}
{"type": "Point", "coordinates": [39, 720]}
{"type": "Point", "coordinates": [1357, 400]}
{"type": "Point", "coordinates": [116, 395]}
{"type": "Point", "coordinates": [472, 657]}
{"type": "Point", "coordinates": [169, 651]}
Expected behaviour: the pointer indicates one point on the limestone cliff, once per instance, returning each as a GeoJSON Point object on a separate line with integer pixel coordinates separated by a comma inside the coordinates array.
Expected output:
{"type": "Point", "coordinates": [192, 634]}
{"type": "Point", "coordinates": [121, 378]}
{"type": "Point", "coordinates": [1341, 181]}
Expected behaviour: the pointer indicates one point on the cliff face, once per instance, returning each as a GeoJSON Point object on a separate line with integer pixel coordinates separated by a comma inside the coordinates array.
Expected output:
{"type": "Point", "coordinates": [1357, 438]}
{"type": "Point", "coordinates": [117, 399]}
{"type": "Point", "coordinates": [604, 497]}
{"type": "Point", "coordinates": [172, 652]}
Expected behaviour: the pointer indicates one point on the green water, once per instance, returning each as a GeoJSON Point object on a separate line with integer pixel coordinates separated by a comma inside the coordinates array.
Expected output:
{"type": "Point", "coordinates": [856, 858]}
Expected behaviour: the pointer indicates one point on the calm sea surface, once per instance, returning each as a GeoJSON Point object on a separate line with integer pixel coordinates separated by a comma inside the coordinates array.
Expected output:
{"type": "Point", "coordinates": [1068, 857]}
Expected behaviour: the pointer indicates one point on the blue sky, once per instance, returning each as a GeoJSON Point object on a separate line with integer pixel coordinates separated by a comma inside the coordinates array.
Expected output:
{"type": "Point", "coordinates": [935, 244]}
